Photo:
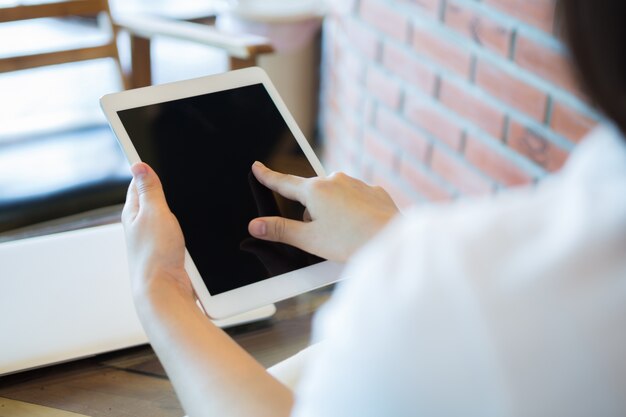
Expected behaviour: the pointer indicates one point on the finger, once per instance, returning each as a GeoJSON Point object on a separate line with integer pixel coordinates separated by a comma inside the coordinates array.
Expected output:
{"type": "Point", "coordinates": [131, 206]}
{"type": "Point", "coordinates": [148, 186]}
{"type": "Point", "coordinates": [306, 216]}
{"type": "Point", "coordinates": [279, 229]}
{"type": "Point", "coordinates": [288, 186]}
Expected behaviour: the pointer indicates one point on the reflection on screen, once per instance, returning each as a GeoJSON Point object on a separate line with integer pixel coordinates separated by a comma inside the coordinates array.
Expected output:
{"type": "Point", "coordinates": [202, 148]}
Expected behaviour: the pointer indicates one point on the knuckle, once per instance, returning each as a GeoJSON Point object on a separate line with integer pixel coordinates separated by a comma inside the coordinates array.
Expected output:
{"type": "Point", "coordinates": [317, 185]}
{"type": "Point", "coordinates": [338, 176]}
{"type": "Point", "coordinates": [279, 229]}
{"type": "Point", "coordinates": [144, 188]}
{"type": "Point", "coordinates": [383, 192]}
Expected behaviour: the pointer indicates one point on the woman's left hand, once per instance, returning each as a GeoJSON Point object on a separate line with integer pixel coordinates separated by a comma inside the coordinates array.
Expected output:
{"type": "Point", "coordinates": [207, 368]}
{"type": "Point", "coordinates": [155, 243]}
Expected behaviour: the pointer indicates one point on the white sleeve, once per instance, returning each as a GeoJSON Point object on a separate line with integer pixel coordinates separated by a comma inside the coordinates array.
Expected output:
{"type": "Point", "coordinates": [475, 310]}
{"type": "Point", "coordinates": [391, 340]}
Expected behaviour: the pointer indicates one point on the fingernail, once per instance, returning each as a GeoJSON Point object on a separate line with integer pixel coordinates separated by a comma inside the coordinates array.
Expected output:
{"type": "Point", "coordinates": [258, 228]}
{"type": "Point", "coordinates": [258, 164]}
{"type": "Point", "coordinates": [139, 170]}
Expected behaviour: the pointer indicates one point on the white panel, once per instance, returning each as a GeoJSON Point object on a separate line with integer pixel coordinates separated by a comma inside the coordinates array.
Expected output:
{"type": "Point", "coordinates": [67, 295]}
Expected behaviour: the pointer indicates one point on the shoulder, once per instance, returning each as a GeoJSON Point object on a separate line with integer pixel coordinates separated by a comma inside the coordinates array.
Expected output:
{"type": "Point", "coordinates": [457, 299]}
{"type": "Point", "coordinates": [518, 232]}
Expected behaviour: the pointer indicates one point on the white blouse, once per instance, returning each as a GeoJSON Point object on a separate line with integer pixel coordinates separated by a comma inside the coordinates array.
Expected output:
{"type": "Point", "coordinates": [507, 306]}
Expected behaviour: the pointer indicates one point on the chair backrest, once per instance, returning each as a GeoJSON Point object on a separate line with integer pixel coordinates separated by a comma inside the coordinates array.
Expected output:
{"type": "Point", "coordinates": [79, 30]}
{"type": "Point", "coordinates": [61, 9]}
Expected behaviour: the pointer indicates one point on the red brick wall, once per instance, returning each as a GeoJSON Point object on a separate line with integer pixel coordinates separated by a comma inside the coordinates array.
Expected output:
{"type": "Point", "coordinates": [436, 99]}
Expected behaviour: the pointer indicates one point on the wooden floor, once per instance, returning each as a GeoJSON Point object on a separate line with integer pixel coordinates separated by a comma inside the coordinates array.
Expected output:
{"type": "Point", "coordinates": [132, 382]}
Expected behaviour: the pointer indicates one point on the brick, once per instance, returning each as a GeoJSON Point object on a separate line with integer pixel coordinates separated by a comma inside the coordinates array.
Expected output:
{"type": "Point", "coordinates": [537, 148]}
{"type": "Point", "coordinates": [459, 174]}
{"type": "Point", "coordinates": [511, 90]}
{"type": "Point", "coordinates": [426, 7]}
{"type": "Point", "coordinates": [331, 138]}
{"type": "Point", "coordinates": [494, 164]}
{"type": "Point", "coordinates": [442, 51]}
{"type": "Point", "coordinates": [353, 126]}
{"type": "Point", "coordinates": [434, 121]}
{"type": "Point", "coordinates": [423, 183]}
{"type": "Point", "coordinates": [343, 160]}
{"type": "Point", "coordinates": [348, 63]}
{"type": "Point", "coordinates": [383, 87]}
{"type": "Point", "coordinates": [342, 7]}
{"type": "Point", "coordinates": [375, 147]}
{"type": "Point", "coordinates": [338, 136]}
{"type": "Point", "coordinates": [354, 96]}
{"type": "Point", "coordinates": [465, 103]}
{"type": "Point", "coordinates": [385, 18]}
{"type": "Point", "coordinates": [407, 66]}
{"type": "Point", "coordinates": [331, 160]}
{"type": "Point", "coordinates": [481, 29]}
{"type": "Point", "coordinates": [547, 62]}
{"type": "Point", "coordinates": [334, 105]}
{"type": "Point", "coordinates": [570, 123]}
{"type": "Point", "coordinates": [362, 37]}
{"type": "Point", "coordinates": [399, 131]}
{"type": "Point", "coordinates": [370, 110]}
{"type": "Point", "coordinates": [539, 13]}
{"type": "Point", "coordinates": [377, 64]}
{"type": "Point", "coordinates": [349, 94]}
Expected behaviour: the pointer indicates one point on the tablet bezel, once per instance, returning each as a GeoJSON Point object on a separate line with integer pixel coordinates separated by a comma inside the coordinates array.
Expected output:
{"type": "Point", "coordinates": [269, 290]}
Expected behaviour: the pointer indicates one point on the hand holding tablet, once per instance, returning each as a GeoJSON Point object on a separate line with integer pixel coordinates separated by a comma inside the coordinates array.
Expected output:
{"type": "Point", "coordinates": [202, 137]}
{"type": "Point", "coordinates": [344, 213]}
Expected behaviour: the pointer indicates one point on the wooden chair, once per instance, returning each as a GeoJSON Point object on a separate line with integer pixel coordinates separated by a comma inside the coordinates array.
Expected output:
{"type": "Point", "coordinates": [62, 9]}
{"type": "Point", "coordinates": [243, 50]}
{"type": "Point", "coordinates": [101, 189]}
{"type": "Point", "coordinates": [93, 186]}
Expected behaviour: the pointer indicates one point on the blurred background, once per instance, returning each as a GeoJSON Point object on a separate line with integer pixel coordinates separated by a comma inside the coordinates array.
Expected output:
{"type": "Point", "coordinates": [433, 99]}
{"type": "Point", "coordinates": [57, 58]}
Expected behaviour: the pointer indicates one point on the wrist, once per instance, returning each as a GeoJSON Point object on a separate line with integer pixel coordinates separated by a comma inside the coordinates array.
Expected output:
{"type": "Point", "coordinates": [162, 289]}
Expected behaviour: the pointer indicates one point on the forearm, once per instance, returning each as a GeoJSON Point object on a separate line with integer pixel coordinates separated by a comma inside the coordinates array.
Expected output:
{"type": "Point", "coordinates": [212, 375]}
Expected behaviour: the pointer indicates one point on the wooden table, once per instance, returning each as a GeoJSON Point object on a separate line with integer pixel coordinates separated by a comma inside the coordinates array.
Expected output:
{"type": "Point", "coordinates": [132, 382]}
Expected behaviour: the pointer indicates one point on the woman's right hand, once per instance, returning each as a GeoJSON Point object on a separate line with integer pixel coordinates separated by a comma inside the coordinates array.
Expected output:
{"type": "Point", "coordinates": [344, 213]}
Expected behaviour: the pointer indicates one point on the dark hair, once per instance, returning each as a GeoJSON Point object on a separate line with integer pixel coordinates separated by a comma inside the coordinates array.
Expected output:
{"type": "Point", "coordinates": [595, 31]}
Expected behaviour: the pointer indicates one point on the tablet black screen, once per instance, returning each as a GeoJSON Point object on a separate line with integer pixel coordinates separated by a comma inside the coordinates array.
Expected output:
{"type": "Point", "coordinates": [202, 148]}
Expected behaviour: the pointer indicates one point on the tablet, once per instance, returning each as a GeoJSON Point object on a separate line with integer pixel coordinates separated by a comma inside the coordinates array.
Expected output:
{"type": "Point", "coordinates": [201, 136]}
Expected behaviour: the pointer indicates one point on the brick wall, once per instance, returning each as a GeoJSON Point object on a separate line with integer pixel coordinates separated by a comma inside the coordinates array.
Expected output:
{"type": "Point", "coordinates": [436, 99]}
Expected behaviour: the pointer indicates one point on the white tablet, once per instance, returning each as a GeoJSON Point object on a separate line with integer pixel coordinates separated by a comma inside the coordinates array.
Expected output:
{"type": "Point", "coordinates": [202, 136]}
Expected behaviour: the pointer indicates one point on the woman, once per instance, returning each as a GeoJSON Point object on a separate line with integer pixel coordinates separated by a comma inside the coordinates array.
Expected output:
{"type": "Point", "coordinates": [506, 306]}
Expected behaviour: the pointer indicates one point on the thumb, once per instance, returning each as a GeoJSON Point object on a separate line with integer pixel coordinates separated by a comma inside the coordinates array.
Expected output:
{"type": "Point", "coordinates": [279, 229]}
{"type": "Point", "coordinates": [147, 184]}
